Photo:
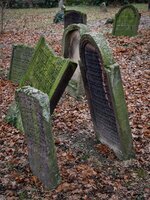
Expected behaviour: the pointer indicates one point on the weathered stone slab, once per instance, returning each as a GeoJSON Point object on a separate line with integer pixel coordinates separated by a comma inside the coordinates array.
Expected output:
{"type": "Point", "coordinates": [74, 17]}
{"type": "Point", "coordinates": [71, 40]}
{"type": "Point", "coordinates": [21, 57]}
{"type": "Point", "coordinates": [126, 21]}
{"type": "Point", "coordinates": [103, 85]}
{"type": "Point", "coordinates": [35, 112]}
{"type": "Point", "coordinates": [48, 73]}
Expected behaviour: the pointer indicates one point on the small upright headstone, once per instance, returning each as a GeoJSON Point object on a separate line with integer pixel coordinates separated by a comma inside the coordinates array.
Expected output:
{"type": "Point", "coordinates": [71, 40]}
{"type": "Point", "coordinates": [21, 57]}
{"type": "Point", "coordinates": [48, 73]}
{"type": "Point", "coordinates": [59, 17]}
{"type": "Point", "coordinates": [103, 7]}
{"type": "Point", "coordinates": [35, 113]}
{"type": "Point", "coordinates": [103, 85]}
{"type": "Point", "coordinates": [126, 21]}
{"type": "Point", "coordinates": [74, 17]}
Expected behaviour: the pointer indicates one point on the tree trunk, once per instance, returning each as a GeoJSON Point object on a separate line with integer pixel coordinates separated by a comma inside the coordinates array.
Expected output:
{"type": "Point", "coordinates": [2, 19]}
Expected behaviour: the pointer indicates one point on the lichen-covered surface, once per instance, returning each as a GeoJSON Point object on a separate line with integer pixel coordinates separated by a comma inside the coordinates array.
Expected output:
{"type": "Point", "coordinates": [104, 91]}
{"type": "Point", "coordinates": [21, 57]}
{"type": "Point", "coordinates": [48, 72]}
{"type": "Point", "coordinates": [126, 21]}
{"type": "Point", "coordinates": [35, 114]}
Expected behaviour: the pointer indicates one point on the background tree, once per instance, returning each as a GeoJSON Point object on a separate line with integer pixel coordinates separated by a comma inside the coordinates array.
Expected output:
{"type": "Point", "coordinates": [3, 5]}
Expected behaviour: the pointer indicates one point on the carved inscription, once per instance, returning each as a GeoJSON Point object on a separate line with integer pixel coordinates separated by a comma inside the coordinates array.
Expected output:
{"type": "Point", "coordinates": [42, 156]}
{"type": "Point", "coordinates": [126, 21]}
{"type": "Point", "coordinates": [49, 73]}
{"type": "Point", "coordinates": [21, 57]}
{"type": "Point", "coordinates": [101, 104]}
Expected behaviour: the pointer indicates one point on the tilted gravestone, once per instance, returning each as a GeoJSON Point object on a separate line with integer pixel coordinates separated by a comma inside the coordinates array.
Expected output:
{"type": "Point", "coordinates": [48, 73]}
{"type": "Point", "coordinates": [21, 57]}
{"type": "Point", "coordinates": [126, 21]}
{"type": "Point", "coordinates": [71, 40]}
{"type": "Point", "coordinates": [103, 85]}
{"type": "Point", "coordinates": [35, 113]}
{"type": "Point", "coordinates": [74, 17]}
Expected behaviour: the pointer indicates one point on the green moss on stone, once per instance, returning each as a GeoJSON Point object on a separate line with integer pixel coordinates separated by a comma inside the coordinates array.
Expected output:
{"type": "Point", "coordinates": [21, 57]}
{"type": "Point", "coordinates": [35, 112]}
{"type": "Point", "coordinates": [126, 21]}
{"type": "Point", "coordinates": [124, 150]}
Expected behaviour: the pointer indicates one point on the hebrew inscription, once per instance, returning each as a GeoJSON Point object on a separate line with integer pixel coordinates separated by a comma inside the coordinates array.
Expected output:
{"type": "Point", "coordinates": [35, 113]}
{"type": "Point", "coordinates": [49, 73]}
{"type": "Point", "coordinates": [21, 57]}
{"type": "Point", "coordinates": [102, 81]}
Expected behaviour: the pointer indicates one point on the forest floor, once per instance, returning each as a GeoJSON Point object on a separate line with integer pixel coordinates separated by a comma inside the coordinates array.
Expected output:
{"type": "Point", "coordinates": [89, 170]}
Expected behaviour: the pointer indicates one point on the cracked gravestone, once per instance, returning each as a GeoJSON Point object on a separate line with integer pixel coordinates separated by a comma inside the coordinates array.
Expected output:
{"type": "Point", "coordinates": [48, 73]}
{"type": "Point", "coordinates": [21, 57]}
{"type": "Point", "coordinates": [71, 40]}
{"type": "Point", "coordinates": [103, 86]}
{"type": "Point", "coordinates": [35, 113]}
{"type": "Point", "coordinates": [74, 17]}
{"type": "Point", "coordinates": [126, 21]}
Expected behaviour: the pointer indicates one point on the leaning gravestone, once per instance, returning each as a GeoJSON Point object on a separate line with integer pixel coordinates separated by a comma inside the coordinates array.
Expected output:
{"type": "Point", "coordinates": [103, 85]}
{"type": "Point", "coordinates": [71, 40]}
{"type": "Point", "coordinates": [21, 57]}
{"type": "Point", "coordinates": [74, 17]}
{"type": "Point", "coordinates": [34, 107]}
{"type": "Point", "coordinates": [126, 21]}
{"type": "Point", "coordinates": [48, 73]}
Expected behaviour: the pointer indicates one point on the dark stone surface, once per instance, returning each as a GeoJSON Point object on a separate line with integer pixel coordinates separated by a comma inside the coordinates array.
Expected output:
{"type": "Point", "coordinates": [74, 17]}
{"type": "Point", "coordinates": [104, 91]}
{"type": "Point", "coordinates": [101, 104]}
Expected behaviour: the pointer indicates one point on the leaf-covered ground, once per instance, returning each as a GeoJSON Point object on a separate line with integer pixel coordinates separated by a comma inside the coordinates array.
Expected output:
{"type": "Point", "coordinates": [89, 170]}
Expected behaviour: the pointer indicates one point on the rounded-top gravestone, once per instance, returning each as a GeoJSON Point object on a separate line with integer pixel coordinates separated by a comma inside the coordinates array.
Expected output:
{"type": "Point", "coordinates": [71, 40]}
{"type": "Point", "coordinates": [126, 21]}
{"type": "Point", "coordinates": [103, 86]}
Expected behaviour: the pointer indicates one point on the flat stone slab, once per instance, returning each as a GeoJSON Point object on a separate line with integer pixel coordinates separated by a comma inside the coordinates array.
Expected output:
{"type": "Point", "coordinates": [35, 113]}
{"type": "Point", "coordinates": [104, 91]}
{"type": "Point", "coordinates": [21, 57]}
{"type": "Point", "coordinates": [126, 21]}
{"type": "Point", "coordinates": [48, 73]}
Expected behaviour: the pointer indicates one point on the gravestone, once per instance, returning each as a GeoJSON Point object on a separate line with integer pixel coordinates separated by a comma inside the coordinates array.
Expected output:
{"type": "Point", "coordinates": [74, 17]}
{"type": "Point", "coordinates": [126, 21]}
{"type": "Point", "coordinates": [59, 17]}
{"type": "Point", "coordinates": [103, 85]}
{"type": "Point", "coordinates": [71, 40]}
{"type": "Point", "coordinates": [35, 113]}
{"type": "Point", "coordinates": [48, 73]}
{"type": "Point", "coordinates": [21, 57]}
{"type": "Point", "coordinates": [103, 7]}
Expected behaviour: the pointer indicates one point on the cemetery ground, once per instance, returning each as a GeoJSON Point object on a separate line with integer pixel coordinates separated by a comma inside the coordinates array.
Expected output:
{"type": "Point", "coordinates": [89, 170]}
